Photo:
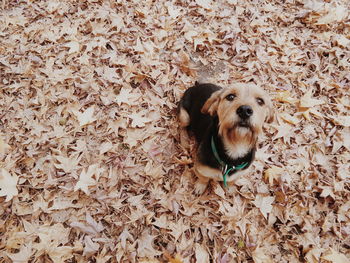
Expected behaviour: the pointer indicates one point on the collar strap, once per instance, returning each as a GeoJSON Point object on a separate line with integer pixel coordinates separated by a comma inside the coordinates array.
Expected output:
{"type": "Point", "coordinates": [226, 168]}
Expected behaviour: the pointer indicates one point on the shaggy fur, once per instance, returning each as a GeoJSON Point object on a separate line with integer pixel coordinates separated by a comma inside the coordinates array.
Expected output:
{"type": "Point", "coordinates": [233, 117]}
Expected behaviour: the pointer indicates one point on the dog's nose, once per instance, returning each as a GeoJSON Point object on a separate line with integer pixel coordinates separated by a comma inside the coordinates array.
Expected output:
{"type": "Point", "coordinates": [244, 111]}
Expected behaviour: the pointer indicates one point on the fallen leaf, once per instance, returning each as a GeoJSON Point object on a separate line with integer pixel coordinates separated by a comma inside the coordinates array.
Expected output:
{"type": "Point", "coordinates": [273, 174]}
{"type": "Point", "coordinates": [285, 96]}
{"type": "Point", "coordinates": [313, 256]}
{"type": "Point", "coordinates": [264, 203]}
{"type": "Point", "coordinates": [308, 102]}
{"type": "Point", "coordinates": [138, 119]}
{"type": "Point", "coordinates": [334, 15]}
{"type": "Point", "coordinates": [335, 257]}
{"type": "Point", "coordinates": [126, 96]}
{"type": "Point", "coordinates": [124, 236]}
{"type": "Point", "coordinates": [342, 120]}
{"type": "Point", "coordinates": [90, 247]}
{"type": "Point", "coordinates": [170, 259]}
{"type": "Point", "coordinates": [145, 245]}
{"type": "Point", "coordinates": [207, 4]}
{"type": "Point", "coordinates": [3, 146]}
{"type": "Point", "coordinates": [260, 256]}
{"type": "Point", "coordinates": [8, 185]}
{"type": "Point", "coordinates": [24, 254]}
{"type": "Point", "coordinates": [73, 46]}
{"type": "Point", "coordinates": [201, 253]}
{"type": "Point", "coordinates": [86, 117]}
{"type": "Point", "coordinates": [86, 180]}
{"type": "Point", "coordinates": [290, 119]}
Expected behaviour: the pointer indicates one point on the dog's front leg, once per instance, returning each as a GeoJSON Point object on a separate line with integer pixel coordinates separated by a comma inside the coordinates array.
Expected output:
{"type": "Point", "coordinates": [201, 183]}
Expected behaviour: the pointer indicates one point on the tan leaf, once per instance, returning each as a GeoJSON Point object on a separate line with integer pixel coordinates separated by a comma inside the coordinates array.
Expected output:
{"type": "Point", "coordinates": [86, 180]}
{"type": "Point", "coordinates": [308, 102]}
{"type": "Point", "coordinates": [8, 184]}
{"type": "Point", "coordinates": [284, 131]}
{"type": "Point", "coordinates": [273, 174]}
{"type": "Point", "coordinates": [170, 259]}
{"type": "Point", "coordinates": [145, 245]}
{"type": "Point", "coordinates": [290, 119]}
{"type": "Point", "coordinates": [342, 120]}
{"type": "Point", "coordinates": [90, 247]}
{"type": "Point", "coordinates": [73, 46]}
{"type": "Point", "coordinates": [23, 256]}
{"type": "Point", "coordinates": [138, 119]}
{"type": "Point", "coordinates": [285, 96]}
{"type": "Point", "coordinates": [68, 164]}
{"type": "Point", "coordinates": [3, 146]}
{"type": "Point", "coordinates": [313, 256]}
{"type": "Point", "coordinates": [264, 203]}
{"type": "Point", "coordinates": [260, 256]}
{"type": "Point", "coordinates": [86, 117]}
{"type": "Point", "coordinates": [97, 226]}
{"type": "Point", "coordinates": [334, 15]}
{"type": "Point", "coordinates": [201, 253]}
{"type": "Point", "coordinates": [124, 236]}
{"type": "Point", "coordinates": [335, 257]}
{"type": "Point", "coordinates": [126, 96]}
{"type": "Point", "coordinates": [219, 191]}
{"type": "Point", "coordinates": [342, 41]}
{"type": "Point", "coordinates": [207, 4]}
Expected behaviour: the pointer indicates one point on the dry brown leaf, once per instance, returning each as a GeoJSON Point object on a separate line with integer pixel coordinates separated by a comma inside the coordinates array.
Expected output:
{"type": "Point", "coordinates": [207, 4]}
{"type": "Point", "coordinates": [260, 256]}
{"type": "Point", "coordinates": [89, 93]}
{"type": "Point", "coordinates": [86, 117]}
{"type": "Point", "coordinates": [313, 256]}
{"type": "Point", "coordinates": [145, 245]}
{"type": "Point", "coordinates": [334, 15]}
{"type": "Point", "coordinates": [24, 254]}
{"type": "Point", "coordinates": [3, 146]}
{"type": "Point", "coordinates": [273, 174]}
{"type": "Point", "coordinates": [308, 102]}
{"type": "Point", "coordinates": [264, 203]}
{"type": "Point", "coordinates": [8, 184]}
{"type": "Point", "coordinates": [342, 120]}
{"type": "Point", "coordinates": [335, 257]}
{"type": "Point", "coordinates": [290, 119]}
{"type": "Point", "coordinates": [86, 180]}
{"type": "Point", "coordinates": [285, 96]}
{"type": "Point", "coordinates": [177, 259]}
{"type": "Point", "coordinates": [201, 253]}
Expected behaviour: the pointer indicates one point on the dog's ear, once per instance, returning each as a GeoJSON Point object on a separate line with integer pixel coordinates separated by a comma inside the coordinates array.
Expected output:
{"type": "Point", "coordinates": [270, 115]}
{"type": "Point", "coordinates": [270, 111]}
{"type": "Point", "coordinates": [211, 105]}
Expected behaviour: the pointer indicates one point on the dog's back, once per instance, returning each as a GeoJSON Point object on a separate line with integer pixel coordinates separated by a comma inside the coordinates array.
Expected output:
{"type": "Point", "coordinates": [190, 109]}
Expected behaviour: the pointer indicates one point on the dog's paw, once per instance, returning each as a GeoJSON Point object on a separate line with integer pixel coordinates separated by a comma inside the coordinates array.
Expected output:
{"type": "Point", "coordinates": [199, 187]}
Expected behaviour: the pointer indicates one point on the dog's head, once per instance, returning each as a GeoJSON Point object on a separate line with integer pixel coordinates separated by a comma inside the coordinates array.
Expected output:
{"type": "Point", "coordinates": [242, 110]}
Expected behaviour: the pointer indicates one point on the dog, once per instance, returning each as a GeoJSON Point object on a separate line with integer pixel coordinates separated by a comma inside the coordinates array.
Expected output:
{"type": "Point", "coordinates": [226, 123]}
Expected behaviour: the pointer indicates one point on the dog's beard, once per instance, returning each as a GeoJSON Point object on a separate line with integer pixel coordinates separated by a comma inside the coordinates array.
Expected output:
{"type": "Point", "coordinates": [238, 139]}
{"type": "Point", "coordinates": [241, 132]}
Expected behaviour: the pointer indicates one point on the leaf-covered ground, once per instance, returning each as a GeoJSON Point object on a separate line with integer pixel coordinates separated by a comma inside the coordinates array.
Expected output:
{"type": "Point", "coordinates": [93, 165]}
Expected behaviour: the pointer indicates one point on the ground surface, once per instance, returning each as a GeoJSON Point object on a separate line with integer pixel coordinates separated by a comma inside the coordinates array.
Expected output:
{"type": "Point", "coordinates": [94, 167]}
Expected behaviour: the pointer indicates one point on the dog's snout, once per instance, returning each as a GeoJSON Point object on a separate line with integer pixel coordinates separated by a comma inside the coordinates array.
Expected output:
{"type": "Point", "coordinates": [244, 111]}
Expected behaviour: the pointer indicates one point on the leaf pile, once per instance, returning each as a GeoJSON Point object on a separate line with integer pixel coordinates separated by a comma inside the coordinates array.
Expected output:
{"type": "Point", "coordinates": [94, 167]}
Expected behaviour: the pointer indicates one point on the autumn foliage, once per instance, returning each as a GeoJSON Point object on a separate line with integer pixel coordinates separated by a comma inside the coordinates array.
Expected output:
{"type": "Point", "coordinates": [94, 167]}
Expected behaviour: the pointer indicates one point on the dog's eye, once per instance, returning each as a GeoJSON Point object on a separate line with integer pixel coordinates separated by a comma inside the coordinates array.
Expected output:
{"type": "Point", "coordinates": [260, 101]}
{"type": "Point", "coordinates": [230, 97]}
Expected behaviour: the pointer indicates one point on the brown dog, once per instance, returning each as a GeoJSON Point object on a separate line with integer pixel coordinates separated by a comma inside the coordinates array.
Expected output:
{"type": "Point", "coordinates": [226, 123]}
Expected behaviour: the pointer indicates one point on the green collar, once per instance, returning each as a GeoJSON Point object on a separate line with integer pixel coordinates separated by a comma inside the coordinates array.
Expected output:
{"type": "Point", "coordinates": [226, 168]}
